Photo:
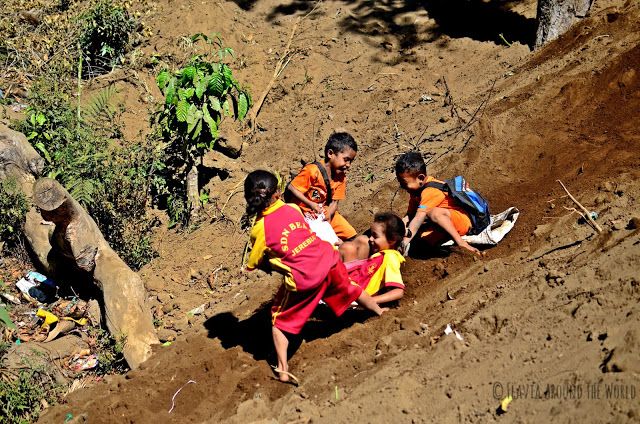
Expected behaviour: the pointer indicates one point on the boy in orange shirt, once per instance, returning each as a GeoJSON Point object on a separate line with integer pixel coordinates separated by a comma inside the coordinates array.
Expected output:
{"type": "Point", "coordinates": [446, 219]}
{"type": "Point", "coordinates": [309, 188]}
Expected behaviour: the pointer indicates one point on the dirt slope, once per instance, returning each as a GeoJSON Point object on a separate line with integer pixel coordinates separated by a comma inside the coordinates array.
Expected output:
{"type": "Point", "coordinates": [550, 316]}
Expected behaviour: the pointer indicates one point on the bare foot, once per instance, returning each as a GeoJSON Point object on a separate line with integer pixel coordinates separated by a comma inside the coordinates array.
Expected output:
{"type": "Point", "coordinates": [286, 377]}
{"type": "Point", "coordinates": [383, 310]}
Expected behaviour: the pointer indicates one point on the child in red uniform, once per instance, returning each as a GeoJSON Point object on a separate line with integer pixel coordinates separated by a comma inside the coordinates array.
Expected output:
{"type": "Point", "coordinates": [309, 188]}
{"type": "Point", "coordinates": [446, 219]}
{"type": "Point", "coordinates": [312, 269]}
{"type": "Point", "coordinates": [374, 262]}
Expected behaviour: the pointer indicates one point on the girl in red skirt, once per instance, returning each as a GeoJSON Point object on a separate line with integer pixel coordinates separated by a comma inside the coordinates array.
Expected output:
{"type": "Point", "coordinates": [312, 269]}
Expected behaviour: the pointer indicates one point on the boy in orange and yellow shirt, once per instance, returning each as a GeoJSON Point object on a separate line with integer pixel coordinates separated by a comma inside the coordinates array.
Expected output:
{"type": "Point", "coordinates": [445, 219]}
{"type": "Point", "coordinates": [309, 188]}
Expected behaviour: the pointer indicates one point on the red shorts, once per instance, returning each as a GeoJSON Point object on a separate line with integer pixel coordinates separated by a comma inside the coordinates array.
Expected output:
{"type": "Point", "coordinates": [291, 310]}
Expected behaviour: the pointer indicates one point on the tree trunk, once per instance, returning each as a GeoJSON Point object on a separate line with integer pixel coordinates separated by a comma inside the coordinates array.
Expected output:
{"type": "Point", "coordinates": [193, 191]}
{"type": "Point", "coordinates": [78, 239]}
{"type": "Point", "coordinates": [556, 16]}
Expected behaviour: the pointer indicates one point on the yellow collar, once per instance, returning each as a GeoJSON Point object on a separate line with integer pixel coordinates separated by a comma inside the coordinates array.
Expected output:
{"type": "Point", "coordinates": [274, 206]}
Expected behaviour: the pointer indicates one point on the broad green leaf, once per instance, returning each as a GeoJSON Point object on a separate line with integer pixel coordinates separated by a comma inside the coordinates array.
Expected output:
{"type": "Point", "coordinates": [188, 73]}
{"type": "Point", "coordinates": [201, 87]}
{"type": "Point", "coordinates": [170, 92]}
{"type": "Point", "coordinates": [162, 79]}
{"type": "Point", "coordinates": [43, 150]}
{"type": "Point", "coordinates": [191, 114]}
{"type": "Point", "coordinates": [40, 118]}
{"type": "Point", "coordinates": [213, 127]}
{"type": "Point", "coordinates": [228, 75]}
{"type": "Point", "coordinates": [226, 107]}
{"type": "Point", "coordinates": [197, 130]}
{"type": "Point", "coordinates": [185, 93]}
{"type": "Point", "coordinates": [216, 84]}
{"type": "Point", "coordinates": [182, 111]}
{"type": "Point", "coordinates": [215, 104]}
{"type": "Point", "coordinates": [197, 120]}
{"type": "Point", "coordinates": [243, 106]}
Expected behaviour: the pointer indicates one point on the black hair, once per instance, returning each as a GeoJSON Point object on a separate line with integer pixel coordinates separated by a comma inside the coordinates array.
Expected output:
{"type": "Point", "coordinates": [412, 163]}
{"type": "Point", "coordinates": [259, 186]}
{"type": "Point", "coordinates": [394, 229]}
{"type": "Point", "coordinates": [338, 142]}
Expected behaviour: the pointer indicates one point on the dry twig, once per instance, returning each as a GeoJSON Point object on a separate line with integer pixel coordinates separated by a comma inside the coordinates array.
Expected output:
{"type": "Point", "coordinates": [587, 214]}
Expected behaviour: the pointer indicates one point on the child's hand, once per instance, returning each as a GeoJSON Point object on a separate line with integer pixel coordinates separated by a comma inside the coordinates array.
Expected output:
{"type": "Point", "coordinates": [404, 246]}
{"type": "Point", "coordinates": [318, 208]}
{"type": "Point", "coordinates": [470, 248]}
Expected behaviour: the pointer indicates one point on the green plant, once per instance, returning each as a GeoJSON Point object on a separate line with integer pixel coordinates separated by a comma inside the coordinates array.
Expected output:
{"type": "Point", "coordinates": [104, 37]}
{"type": "Point", "coordinates": [197, 99]}
{"type": "Point", "coordinates": [20, 397]}
{"type": "Point", "coordinates": [13, 208]}
{"type": "Point", "coordinates": [83, 151]}
{"type": "Point", "coordinates": [108, 349]}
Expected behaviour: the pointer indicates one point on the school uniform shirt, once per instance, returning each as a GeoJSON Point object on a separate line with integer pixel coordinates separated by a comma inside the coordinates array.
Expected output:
{"type": "Point", "coordinates": [311, 183]}
{"type": "Point", "coordinates": [431, 197]}
{"type": "Point", "coordinates": [282, 237]}
{"type": "Point", "coordinates": [379, 271]}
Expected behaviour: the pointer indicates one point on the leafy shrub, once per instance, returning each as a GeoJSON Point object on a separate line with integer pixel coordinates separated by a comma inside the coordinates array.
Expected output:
{"type": "Point", "coordinates": [108, 350]}
{"type": "Point", "coordinates": [197, 99]}
{"type": "Point", "coordinates": [20, 398]}
{"type": "Point", "coordinates": [82, 151]}
{"type": "Point", "coordinates": [104, 37]}
{"type": "Point", "coordinates": [13, 208]}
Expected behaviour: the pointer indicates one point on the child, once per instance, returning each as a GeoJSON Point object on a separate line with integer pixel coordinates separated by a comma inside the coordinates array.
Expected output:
{"type": "Point", "coordinates": [311, 267]}
{"type": "Point", "coordinates": [318, 197]}
{"type": "Point", "coordinates": [374, 261]}
{"type": "Point", "coordinates": [447, 220]}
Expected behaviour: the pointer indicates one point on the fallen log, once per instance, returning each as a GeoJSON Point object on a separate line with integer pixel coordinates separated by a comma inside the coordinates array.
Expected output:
{"type": "Point", "coordinates": [77, 238]}
{"type": "Point", "coordinates": [73, 238]}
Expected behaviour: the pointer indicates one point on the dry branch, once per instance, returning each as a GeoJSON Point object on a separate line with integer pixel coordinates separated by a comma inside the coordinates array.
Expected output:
{"type": "Point", "coordinates": [587, 214]}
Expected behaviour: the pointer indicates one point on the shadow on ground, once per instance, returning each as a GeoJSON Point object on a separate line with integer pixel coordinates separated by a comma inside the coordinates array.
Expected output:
{"type": "Point", "coordinates": [253, 334]}
{"type": "Point", "coordinates": [476, 19]}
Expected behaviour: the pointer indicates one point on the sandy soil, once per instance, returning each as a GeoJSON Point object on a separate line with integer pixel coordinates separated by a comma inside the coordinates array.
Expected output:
{"type": "Point", "coordinates": [550, 316]}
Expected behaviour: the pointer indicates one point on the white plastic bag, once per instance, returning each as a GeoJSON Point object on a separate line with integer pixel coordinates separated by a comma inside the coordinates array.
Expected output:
{"type": "Point", "coordinates": [322, 228]}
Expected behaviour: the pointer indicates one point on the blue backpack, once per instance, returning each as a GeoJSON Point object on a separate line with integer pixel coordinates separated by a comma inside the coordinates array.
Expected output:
{"type": "Point", "coordinates": [471, 201]}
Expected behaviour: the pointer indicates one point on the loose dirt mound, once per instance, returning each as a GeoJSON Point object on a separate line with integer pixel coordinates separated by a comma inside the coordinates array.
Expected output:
{"type": "Point", "coordinates": [550, 316]}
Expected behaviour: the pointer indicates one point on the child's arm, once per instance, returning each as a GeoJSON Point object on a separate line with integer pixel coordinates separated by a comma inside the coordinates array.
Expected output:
{"type": "Point", "coordinates": [415, 224]}
{"type": "Point", "coordinates": [390, 296]}
{"type": "Point", "coordinates": [316, 207]}
{"type": "Point", "coordinates": [331, 210]}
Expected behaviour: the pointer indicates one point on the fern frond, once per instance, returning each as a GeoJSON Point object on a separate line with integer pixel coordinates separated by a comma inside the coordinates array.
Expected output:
{"type": "Point", "coordinates": [99, 107]}
{"type": "Point", "coordinates": [82, 190]}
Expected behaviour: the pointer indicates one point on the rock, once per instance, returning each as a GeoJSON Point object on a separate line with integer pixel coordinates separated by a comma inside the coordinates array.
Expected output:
{"type": "Point", "coordinates": [166, 335]}
{"type": "Point", "coordinates": [229, 143]}
{"type": "Point", "coordinates": [40, 355]}
{"type": "Point", "coordinates": [93, 313]}
{"type": "Point", "coordinates": [167, 307]}
{"type": "Point", "coordinates": [634, 223]}
{"type": "Point", "coordinates": [154, 284]}
{"type": "Point", "coordinates": [607, 186]}
{"type": "Point", "coordinates": [164, 298]}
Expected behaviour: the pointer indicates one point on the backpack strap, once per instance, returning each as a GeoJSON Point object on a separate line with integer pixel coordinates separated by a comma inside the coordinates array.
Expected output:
{"type": "Point", "coordinates": [440, 186]}
{"type": "Point", "coordinates": [327, 182]}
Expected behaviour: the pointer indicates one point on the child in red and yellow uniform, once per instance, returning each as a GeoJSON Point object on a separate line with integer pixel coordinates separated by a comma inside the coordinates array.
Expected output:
{"type": "Point", "coordinates": [374, 262]}
{"type": "Point", "coordinates": [309, 189]}
{"type": "Point", "coordinates": [446, 219]}
{"type": "Point", "coordinates": [312, 269]}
